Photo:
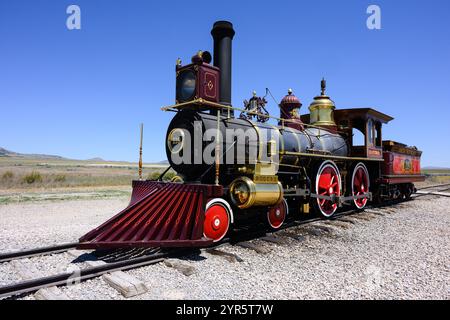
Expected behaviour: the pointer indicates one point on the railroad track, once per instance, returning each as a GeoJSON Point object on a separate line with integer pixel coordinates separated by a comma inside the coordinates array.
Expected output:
{"type": "Point", "coordinates": [436, 186]}
{"type": "Point", "coordinates": [440, 188]}
{"type": "Point", "coordinates": [121, 261]}
{"type": "Point", "coordinates": [124, 263]}
{"type": "Point", "coordinates": [66, 278]}
{"type": "Point", "coordinates": [7, 257]}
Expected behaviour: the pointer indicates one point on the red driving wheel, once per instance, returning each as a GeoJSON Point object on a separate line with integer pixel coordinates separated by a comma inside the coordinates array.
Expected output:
{"type": "Point", "coordinates": [217, 221]}
{"type": "Point", "coordinates": [328, 183]}
{"type": "Point", "coordinates": [277, 214]}
{"type": "Point", "coordinates": [360, 184]}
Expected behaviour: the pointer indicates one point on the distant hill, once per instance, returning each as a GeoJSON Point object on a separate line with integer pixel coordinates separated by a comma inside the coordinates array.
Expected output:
{"type": "Point", "coordinates": [4, 152]}
{"type": "Point", "coordinates": [7, 153]}
{"type": "Point", "coordinates": [97, 159]}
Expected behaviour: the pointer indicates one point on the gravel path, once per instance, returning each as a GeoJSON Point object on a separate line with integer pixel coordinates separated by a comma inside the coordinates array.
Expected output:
{"type": "Point", "coordinates": [391, 253]}
{"type": "Point", "coordinates": [34, 224]}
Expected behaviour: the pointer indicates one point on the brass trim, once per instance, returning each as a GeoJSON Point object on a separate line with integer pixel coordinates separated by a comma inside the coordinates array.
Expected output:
{"type": "Point", "coordinates": [260, 194]}
{"type": "Point", "coordinates": [313, 155]}
{"type": "Point", "coordinates": [306, 208]}
{"type": "Point", "coordinates": [201, 101]}
{"type": "Point", "coordinates": [170, 139]}
{"type": "Point", "coordinates": [280, 136]}
{"type": "Point", "coordinates": [321, 106]}
{"type": "Point", "coordinates": [251, 190]}
{"type": "Point", "coordinates": [260, 142]}
{"type": "Point", "coordinates": [177, 179]}
{"type": "Point", "coordinates": [265, 179]}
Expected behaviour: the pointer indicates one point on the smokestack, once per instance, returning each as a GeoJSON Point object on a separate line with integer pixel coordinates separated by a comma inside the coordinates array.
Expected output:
{"type": "Point", "coordinates": [223, 34]}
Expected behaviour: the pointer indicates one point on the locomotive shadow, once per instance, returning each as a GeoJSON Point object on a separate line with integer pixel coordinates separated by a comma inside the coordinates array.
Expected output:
{"type": "Point", "coordinates": [295, 227]}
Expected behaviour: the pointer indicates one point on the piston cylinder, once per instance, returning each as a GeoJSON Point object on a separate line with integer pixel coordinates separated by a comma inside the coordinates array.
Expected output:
{"type": "Point", "coordinates": [245, 193]}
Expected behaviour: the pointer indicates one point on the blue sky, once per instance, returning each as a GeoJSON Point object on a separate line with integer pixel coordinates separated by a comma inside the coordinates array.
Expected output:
{"type": "Point", "coordinates": [83, 93]}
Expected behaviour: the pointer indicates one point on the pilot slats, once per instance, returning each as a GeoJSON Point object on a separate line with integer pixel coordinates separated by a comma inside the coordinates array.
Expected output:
{"type": "Point", "coordinates": [160, 214]}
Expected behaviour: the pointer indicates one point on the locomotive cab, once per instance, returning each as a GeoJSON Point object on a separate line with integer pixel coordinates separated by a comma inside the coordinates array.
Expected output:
{"type": "Point", "coordinates": [367, 121]}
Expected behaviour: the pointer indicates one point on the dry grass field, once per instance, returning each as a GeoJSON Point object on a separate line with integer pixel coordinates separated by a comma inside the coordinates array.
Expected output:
{"type": "Point", "coordinates": [437, 175]}
{"type": "Point", "coordinates": [24, 179]}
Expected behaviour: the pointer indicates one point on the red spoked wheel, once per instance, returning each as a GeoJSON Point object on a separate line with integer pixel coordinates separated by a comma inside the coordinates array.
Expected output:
{"type": "Point", "coordinates": [217, 220]}
{"type": "Point", "coordinates": [277, 214]}
{"type": "Point", "coordinates": [328, 183]}
{"type": "Point", "coordinates": [360, 184]}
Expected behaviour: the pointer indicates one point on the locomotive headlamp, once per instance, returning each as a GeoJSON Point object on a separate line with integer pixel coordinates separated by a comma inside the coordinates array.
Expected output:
{"type": "Point", "coordinates": [198, 80]}
{"type": "Point", "coordinates": [186, 85]}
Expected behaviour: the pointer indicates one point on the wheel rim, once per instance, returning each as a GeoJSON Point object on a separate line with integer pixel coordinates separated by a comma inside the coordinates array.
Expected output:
{"type": "Point", "coordinates": [328, 184]}
{"type": "Point", "coordinates": [276, 215]}
{"type": "Point", "coordinates": [360, 185]}
{"type": "Point", "coordinates": [216, 223]}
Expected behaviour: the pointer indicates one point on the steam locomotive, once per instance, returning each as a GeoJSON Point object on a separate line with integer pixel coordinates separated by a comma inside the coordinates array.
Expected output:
{"type": "Point", "coordinates": [233, 164]}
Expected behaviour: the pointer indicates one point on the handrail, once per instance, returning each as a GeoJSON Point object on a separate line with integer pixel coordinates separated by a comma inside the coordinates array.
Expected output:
{"type": "Point", "coordinates": [201, 101]}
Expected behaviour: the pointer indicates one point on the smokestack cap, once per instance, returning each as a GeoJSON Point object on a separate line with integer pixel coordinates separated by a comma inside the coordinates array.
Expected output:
{"type": "Point", "coordinates": [222, 29]}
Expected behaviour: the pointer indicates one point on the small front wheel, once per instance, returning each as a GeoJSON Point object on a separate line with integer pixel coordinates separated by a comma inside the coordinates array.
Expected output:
{"type": "Point", "coordinates": [276, 215]}
{"type": "Point", "coordinates": [217, 219]}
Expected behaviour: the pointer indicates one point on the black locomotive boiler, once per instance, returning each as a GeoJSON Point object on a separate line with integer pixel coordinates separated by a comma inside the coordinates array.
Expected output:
{"type": "Point", "coordinates": [234, 163]}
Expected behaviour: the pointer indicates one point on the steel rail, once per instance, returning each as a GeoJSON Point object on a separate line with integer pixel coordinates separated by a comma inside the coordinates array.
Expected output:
{"type": "Point", "coordinates": [68, 278]}
{"type": "Point", "coordinates": [435, 186]}
{"type": "Point", "coordinates": [433, 192]}
{"type": "Point", "coordinates": [9, 256]}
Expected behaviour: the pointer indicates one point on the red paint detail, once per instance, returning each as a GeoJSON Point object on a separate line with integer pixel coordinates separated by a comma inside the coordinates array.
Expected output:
{"type": "Point", "coordinates": [374, 152]}
{"type": "Point", "coordinates": [402, 179]}
{"type": "Point", "coordinates": [401, 164]}
{"type": "Point", "coordinates": [287, 105]}
{"type": "Point", "coordinates": [208, 82]}
{"type": "Point", "coordinates": [328, 185]}
{"type": "Point", "coordinates": [216, 222]}
{"type": "Point", "coordinates": [360, 186]}
{"type": "Point", "coordinates": [159, 214]}
{"type": "Point", "coordinates": [210, 85]}
{"type": "Point", "coordinates": [276, 215]}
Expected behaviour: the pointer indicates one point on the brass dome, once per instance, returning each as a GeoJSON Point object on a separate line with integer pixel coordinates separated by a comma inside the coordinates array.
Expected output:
{"type": "Point", "coordinates": [322, 109]}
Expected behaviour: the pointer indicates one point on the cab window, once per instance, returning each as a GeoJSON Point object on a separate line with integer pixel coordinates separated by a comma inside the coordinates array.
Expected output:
{"type": "Point", "coordinates": [370, 133]}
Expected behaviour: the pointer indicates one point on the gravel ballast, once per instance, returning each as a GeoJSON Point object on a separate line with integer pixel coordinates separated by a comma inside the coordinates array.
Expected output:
{"type": "Point", "coordinates": [399, 252]}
